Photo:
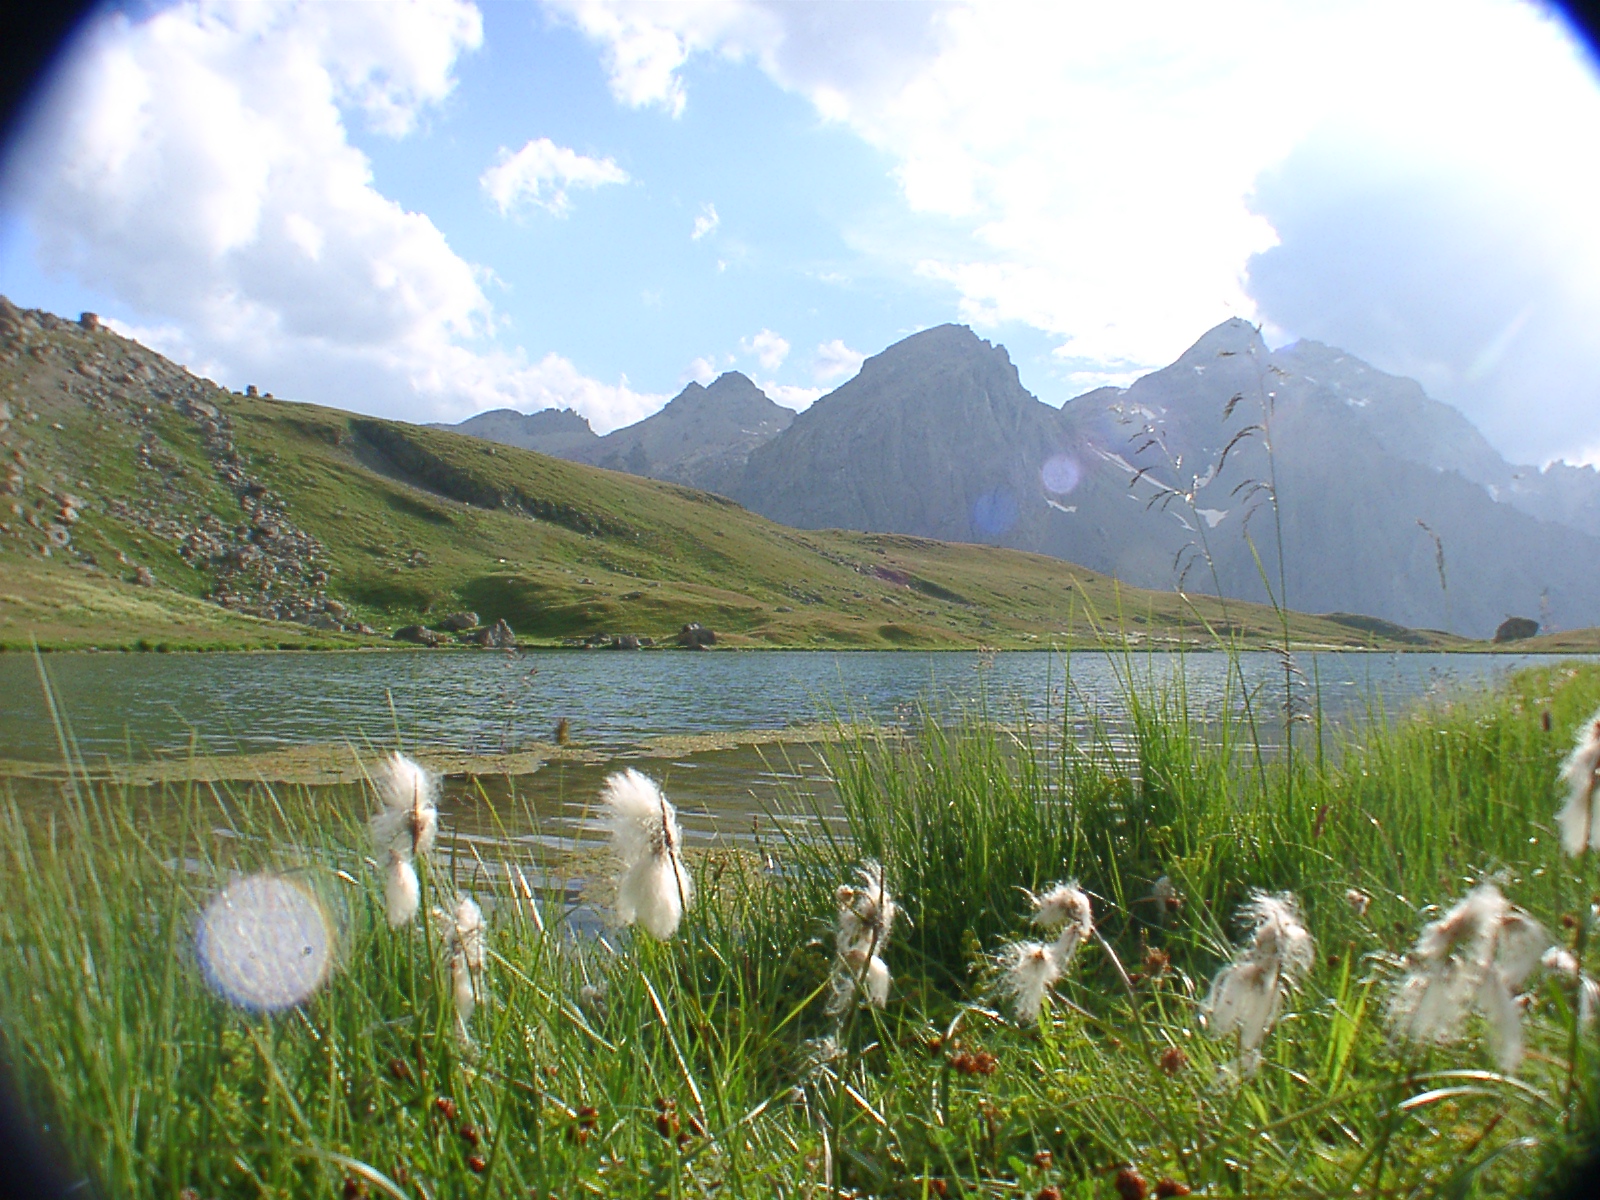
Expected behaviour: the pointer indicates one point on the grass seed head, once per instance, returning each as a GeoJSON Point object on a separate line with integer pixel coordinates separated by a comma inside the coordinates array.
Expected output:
{"type": "Point", "coordinates": [408, 821]}
{"type": "Point", "coordinates": [1247, 994]}
{"type": "Point", "coordinates": [1029, 970]}
{"type": "Point", "coordinates": [1578, 818]}
{"type": "Point", "coordinates": [654, 888]}
{"type": "Point", "coordinates": [402, 894]}
{"type": "Point", "coordinates": [1476, 956]}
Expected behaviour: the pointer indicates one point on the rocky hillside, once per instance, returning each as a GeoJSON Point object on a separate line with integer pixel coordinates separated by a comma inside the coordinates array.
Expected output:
{"type": "Point", "coordinates": [701, 438]}
{"type": "Point", "coordinates": [145, 506]}
{"type": "Point", "coordinates": [1171, 480]}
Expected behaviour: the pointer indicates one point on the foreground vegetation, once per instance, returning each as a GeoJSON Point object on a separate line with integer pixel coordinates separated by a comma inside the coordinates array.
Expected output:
{"type": "Point", "coordinates": [119, 461]}
{"type": "Point", "coordinates": [708, 1063]}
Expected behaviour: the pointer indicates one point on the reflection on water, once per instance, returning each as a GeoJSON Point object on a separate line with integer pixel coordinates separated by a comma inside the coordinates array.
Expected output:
{"type": "Point", "coordinates": [133, 705]}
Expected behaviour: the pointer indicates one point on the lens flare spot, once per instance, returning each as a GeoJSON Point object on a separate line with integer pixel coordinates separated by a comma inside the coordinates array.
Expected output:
{"type": "Point", "coordinates": [265, 943]}
{"type": "Point", "coordinates": [995, 512]}
{"type": "Point", "coordinates": [1060, 474]}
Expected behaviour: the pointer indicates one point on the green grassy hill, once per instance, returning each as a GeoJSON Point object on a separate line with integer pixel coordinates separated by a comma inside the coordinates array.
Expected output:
{"type": "Point", "coordinates": [146, 505]}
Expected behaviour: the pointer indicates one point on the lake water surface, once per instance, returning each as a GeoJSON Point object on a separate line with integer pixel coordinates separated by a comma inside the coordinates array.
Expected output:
{"type": "Point", "coordinates": [132, 706]}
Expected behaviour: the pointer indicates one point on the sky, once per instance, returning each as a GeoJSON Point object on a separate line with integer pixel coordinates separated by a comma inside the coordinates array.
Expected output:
{"type": "Point", "coordinates": [428, 209]}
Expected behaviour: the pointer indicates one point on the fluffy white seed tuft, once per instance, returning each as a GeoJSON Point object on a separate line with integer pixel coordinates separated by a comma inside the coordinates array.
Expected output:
{"type": "Point", "coordinates": [467, 944]}
{"type": "Point", "coordinates": [1247, 994]}
{"type": "Point", "coordinates": [408, 821]}
{"type": "Point", "coordinates": [865, 920]}
{"type": "Point", "coordinates": [1030, 969]}
{"type": "Point", "coordinates": [1064, 906]}
{"type": "Point", "coordinates": [1475, 957]}
{"type": "Point", "coordinates": [1579, 818]}
{"type": "Point", "coordinates": [654, 888]}
{"type": "Point", "coordinates": [401, 892]}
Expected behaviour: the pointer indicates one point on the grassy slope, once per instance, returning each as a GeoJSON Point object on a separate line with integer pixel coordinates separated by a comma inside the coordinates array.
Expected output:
{"type": "Point", "coordinates": [416, 523]}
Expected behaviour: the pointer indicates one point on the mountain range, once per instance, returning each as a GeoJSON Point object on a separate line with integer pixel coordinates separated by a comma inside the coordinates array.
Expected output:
{"type": "Point", "coordinates": [1383, 500]}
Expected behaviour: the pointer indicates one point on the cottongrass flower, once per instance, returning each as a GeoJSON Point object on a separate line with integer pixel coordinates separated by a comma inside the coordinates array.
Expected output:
{"type": "Point", "coordinates": [654, 888]}
{"type": "Point", "coordinates": [1064, 906]}
{"type": "Point", "coordinates": [1030, 969]}
{"type": "Point", "coordinates": [404, 828]}
{"type": "Point", "coordinates": [467, 947]}
{"type": "Point", "coordinates": [1475, 957]}
{"type": "Point", "coordinates": [865, 920]}
{"type": "Point", "coordinates": [1564, 963]}
{"type": "Point", "coordinates": [1247, 994]}
{"type": "Point", "coordinates": [1580, 822]}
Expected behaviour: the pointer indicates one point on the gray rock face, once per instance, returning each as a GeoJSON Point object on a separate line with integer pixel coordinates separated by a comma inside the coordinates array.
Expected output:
{"type": "Point", "coordinates": [935, 436]}
{"type": "Point", "coordinates": [456, 622]}
{"type": "Point", "coordinates": [702, 437]}
{"type": "Point", "coordinates": [1170, 480]}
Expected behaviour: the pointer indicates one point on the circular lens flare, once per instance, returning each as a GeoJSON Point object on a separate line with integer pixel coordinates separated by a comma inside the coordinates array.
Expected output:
{"type": "Point", "coordinates": [265, 943]}
{"type": "Point", "coordinates": [1060, 474]}
{"type": "Point", "coordinates": [995, 512]}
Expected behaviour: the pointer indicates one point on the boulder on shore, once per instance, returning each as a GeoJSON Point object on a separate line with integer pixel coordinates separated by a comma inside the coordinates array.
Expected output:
{"type": "Point", "coordinates": [493, 637]}
{"type": "Point", "coordinates": [695, 636]}
{"type": "Point", "coordinates": [418, 634]}
{"type": "Point", "coordinates": [1514, 629]}
{"type": "Point", "coordinates": [457, 622]}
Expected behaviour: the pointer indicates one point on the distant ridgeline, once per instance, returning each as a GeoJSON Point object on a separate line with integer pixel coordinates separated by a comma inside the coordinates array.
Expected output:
{"type": "Point", "coordinates": [1389, 503]}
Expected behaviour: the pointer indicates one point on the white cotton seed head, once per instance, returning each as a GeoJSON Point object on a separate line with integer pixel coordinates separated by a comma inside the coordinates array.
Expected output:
{"type": "Point", "coordinates": [1519, 944]}
{"type": "Point", "coordinates": [1588, 1000]}
{"type": "Point", "coordinates": [866, 912]}
{"type": "Point", "coordinates": [1030, 969]}
{"type": "Point", "coordinates": [653, 892]}
{"type": "Point", "coordinates": [1358, 901]}
{"type": "Point", "coordinates": [401, 892]}
{"type": "Point", "coordinates": [408, 821]}
{"type": "Point", "coordinates": [1279, 936]}
{"type": "Point", "coordinates": [1560, 961]}
{"type": "Point", "coordinates": [1247, 994]}
{"type": "Point", "coordinates": [1579, 818]}
{"type": "Point", "coordinates": [466, 943]}
{"type": "Point", "coordinates": [1503, 1016]}
{"type": "Point", "coordinates": [461, 985]}
{"type": "Point", "coordinates": [1465, 930]}
{"type": "Point", "coordinates": [1446, 968]}
{"type": "Point", "coordinates": [1476, 956]}
{"type": "Point", "coordinates": [1063, 904]}
{"type": "Point", "coordinates": [654, 888]}
{"type": "Point", "coordinates": [877, 982]}
{"type": "Point", "coordinates": [469, 936]}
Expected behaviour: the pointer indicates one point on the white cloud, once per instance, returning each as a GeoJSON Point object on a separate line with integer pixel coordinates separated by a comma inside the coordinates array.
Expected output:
{"type": "Point", "coordinates": [195, 164]}
{"type": "Point", "coordinates": [791, 395]}
{"type": "Point", "coordinates": [769, 349]}
{"type": "Point", "coordinates": [702, 371]}
{"type": "Point", "coordinates": [705, 223]}
{"type": "Point", "coordinates": [835, 360]}
{"type": "Point", "coordinates": [1090, 170]}
{"type": "Point", "coordinates": [540, 174]}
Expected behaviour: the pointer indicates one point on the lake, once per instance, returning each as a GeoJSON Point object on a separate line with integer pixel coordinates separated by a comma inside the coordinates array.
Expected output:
{"type": "Point", "coordinates": [132, 706]}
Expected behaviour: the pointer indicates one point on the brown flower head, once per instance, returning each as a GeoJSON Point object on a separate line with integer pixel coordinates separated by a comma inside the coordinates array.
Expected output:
{"type": "Point", "coordinates": [1130, 1184]}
